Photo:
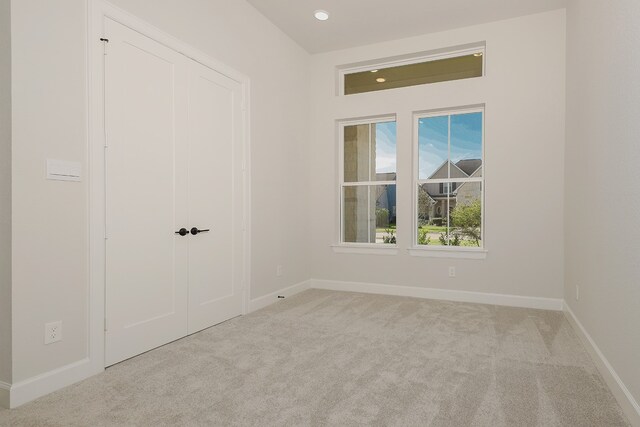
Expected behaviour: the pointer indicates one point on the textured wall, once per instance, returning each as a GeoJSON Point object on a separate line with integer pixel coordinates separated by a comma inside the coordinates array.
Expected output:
{"type": "Point", "coordinates": [524, 92]}
{"type": "Point", "coordinates": [5, 191]}
{"type": "Point", "coordinates": [603, 171]}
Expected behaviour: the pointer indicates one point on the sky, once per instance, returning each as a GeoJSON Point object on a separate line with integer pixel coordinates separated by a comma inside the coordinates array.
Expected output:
{"type": "Point", "coordinates": [386, 147]}
{"type": "Point", "coordinates": [466, 140]}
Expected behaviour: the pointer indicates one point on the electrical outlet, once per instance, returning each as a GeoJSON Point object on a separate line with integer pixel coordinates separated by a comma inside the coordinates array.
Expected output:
{"type": "Point", "coordinates": [577, 292]}
{"type": "Point", "coordinates": [452, 272]}
{"type": "Point", "coordinates": [279, 271]}
{"type": "Point", "coordinates": [53, 332]}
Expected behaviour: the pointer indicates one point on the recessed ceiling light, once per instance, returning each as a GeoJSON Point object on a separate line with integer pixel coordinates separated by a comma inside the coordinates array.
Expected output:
{"type": "Point", "coordinates": [321, 15]}
{"type": "Point", "coordinates": [477, 54]}
{"type": "Point", "coordinates": [374, 71]}
{"type": "Point", "coordinates": [381, 80]}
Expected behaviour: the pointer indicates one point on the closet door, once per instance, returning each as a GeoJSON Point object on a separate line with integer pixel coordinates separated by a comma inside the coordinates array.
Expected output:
{"type": "Point", "coordinates": [215, 197]}
{"type": "Point", "coordinates": [146, 193]}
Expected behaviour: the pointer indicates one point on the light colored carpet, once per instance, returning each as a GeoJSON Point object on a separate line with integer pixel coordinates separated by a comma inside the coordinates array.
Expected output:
{"type": "Point", "coordinates": [335, 358]}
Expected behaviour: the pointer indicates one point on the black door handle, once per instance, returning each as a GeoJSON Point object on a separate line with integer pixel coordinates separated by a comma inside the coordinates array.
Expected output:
{"type": "Point", "coordinates": [183, 231]}
{"type": "Point", "coordinates": [195, 231]}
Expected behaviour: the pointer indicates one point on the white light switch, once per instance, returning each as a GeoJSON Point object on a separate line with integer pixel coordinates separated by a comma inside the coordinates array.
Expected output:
{"type": "Point", "coordinates": [61, 170]}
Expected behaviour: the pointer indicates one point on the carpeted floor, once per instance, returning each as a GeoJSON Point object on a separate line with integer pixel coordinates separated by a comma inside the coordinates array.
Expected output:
{"type": "Point", "coordinates": [334, 358]}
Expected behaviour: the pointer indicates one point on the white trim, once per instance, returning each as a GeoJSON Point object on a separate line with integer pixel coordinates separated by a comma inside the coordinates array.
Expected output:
{"type": "Point", "coordinates": [441, 294]}
{"type": "Point", "coordinates": [5, 389]}
{"type": "Point", "coordinates": [448, 252]}
{"type": "Point", "coordinates": [622, 394]}
{"type": "Point", "coordinates": [417, 182]}
{"type": "Point", "coordinates": [40, 385]}
{"type": "Point", "coordinates": [341, 124]}
{"type": "Point", "coordinates": [264, 301]}
{"type": "Point", "coordinates": [98, 10]}
{"type": "Point", "coordinates": [365, 248]}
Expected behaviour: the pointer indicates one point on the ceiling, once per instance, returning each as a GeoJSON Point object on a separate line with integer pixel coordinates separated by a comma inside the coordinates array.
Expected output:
{"type": "Point", "coordinates": [359, 22]}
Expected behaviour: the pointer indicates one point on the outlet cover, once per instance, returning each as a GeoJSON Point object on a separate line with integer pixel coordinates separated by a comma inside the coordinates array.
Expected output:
{"type": "Point", "coordinates": [452, 272]}
{"type": "Point", "coordinates": [53, 332]}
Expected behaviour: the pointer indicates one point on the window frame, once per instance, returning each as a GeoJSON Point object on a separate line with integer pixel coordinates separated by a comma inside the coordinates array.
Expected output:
{"type": "Point", "coordinates": [447, 251]}
{"type": "Point", "coordinates": [415, 58]}
{"type": "Point", "coordinates": [357, 247]}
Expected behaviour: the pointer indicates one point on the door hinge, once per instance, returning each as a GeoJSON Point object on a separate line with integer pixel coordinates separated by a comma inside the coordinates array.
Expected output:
{"type": "Point", "coordinates": [104, 42]}
{"type": "Point", "coordinates": [105, 324]}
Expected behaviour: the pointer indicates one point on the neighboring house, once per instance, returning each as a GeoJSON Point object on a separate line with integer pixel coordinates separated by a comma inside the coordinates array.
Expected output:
{"type": "Point", "coordinates": [435, 198]}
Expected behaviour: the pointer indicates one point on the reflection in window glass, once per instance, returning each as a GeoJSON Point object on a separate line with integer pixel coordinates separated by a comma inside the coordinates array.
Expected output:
{"type": "Point", "coordinates": [464, 66]}
{"type": "Point", "coordinates": [368, 186]}
{"type": "Point", "coordinates": [370, 152]}
{"type": "Point", "coordinates": [369, 214]}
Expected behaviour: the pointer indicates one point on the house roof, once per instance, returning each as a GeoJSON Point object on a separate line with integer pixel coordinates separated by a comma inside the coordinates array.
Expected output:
{"type": "Point", "coordinates": [453, 165]}
{"type": "Point", "coordinates": [469, 166]}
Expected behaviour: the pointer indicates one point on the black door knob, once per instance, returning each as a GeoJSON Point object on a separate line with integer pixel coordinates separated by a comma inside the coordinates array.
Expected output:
{"type": "Point", "coordinates": [195, 231]}
{"type": "Point", "coordinates": [183, 231]}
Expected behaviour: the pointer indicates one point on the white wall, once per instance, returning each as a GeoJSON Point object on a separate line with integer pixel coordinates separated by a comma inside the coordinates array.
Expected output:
{"type": "Point", "coordinates": [49, 121]}
{"type": "Point", "coordinates": [5, 191]}
{"type": "Point", "coordinates": [524, 93]}
{"type": "Point", "coordinates": [602, 175]}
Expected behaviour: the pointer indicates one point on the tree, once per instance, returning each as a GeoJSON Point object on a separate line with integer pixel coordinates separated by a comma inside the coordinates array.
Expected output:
{"type": "Point", "coordinates": [467, 218]}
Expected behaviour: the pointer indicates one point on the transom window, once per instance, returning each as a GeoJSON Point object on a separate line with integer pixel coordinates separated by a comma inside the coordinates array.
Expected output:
{"type": "Point", "coordinates": [457, 64]}
{"type": "Point", "coordinates": [450, 180]}
{"type": "Point", "coordinates": [368, 181]}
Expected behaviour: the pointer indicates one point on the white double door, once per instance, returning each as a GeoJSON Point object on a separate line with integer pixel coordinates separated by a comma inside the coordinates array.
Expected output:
{"type": "Point", "coordinates": [173, 161]}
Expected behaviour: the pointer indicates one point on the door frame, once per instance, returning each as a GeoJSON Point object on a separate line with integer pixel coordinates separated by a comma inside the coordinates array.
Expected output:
{"type": "Point", "coordinates": [97, 11]}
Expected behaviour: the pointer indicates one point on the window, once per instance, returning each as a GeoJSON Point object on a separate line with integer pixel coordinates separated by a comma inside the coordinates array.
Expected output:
{"type": "Point", "coordinates": [368, 181]}
{"type": "Point", "coordinates": [450, 182]}
{"type": "Point", "coordinates": [463, 64]}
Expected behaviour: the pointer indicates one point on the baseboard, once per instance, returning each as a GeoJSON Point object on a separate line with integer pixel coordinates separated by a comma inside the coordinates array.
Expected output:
{"type": "Point", "coordinates": [441, 294]}
{"type": "Point", "coordinates": [620, 391]}
{"type": "Point", "coordinates": [261, 302]}
{"type": "Point", "coordinates": [40, 385]}
{"type": "Point", "coordinates": [4, 395]}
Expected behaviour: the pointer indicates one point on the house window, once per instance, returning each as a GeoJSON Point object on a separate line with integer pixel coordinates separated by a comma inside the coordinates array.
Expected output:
{"type": "Point", "coordinates": [418, 70]}
{"type": "Point", "coordinates": [449, 172]}
{"type": "Point", "coordinates": [368, 181]}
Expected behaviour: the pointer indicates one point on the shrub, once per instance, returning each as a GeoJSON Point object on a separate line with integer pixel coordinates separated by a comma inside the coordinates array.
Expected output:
{"type": "Point", "coordinates": [436, 221]}
{"type": "Point", "coordinates": [389, 236]}
{"type": "Point", "coordinates": [423, 237]}
{"type": "Point", "coordinates": [468, 220]}
{"type": "Point", "coordinates": [452, 242]}
{"type": "Point", "coordinates": [382, 217]}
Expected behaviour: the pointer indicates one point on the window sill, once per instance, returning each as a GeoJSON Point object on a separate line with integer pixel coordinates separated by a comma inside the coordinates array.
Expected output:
{"type": "Point", "coordinates": [366, 249]}
{"type": "Point", "coordinates": [458, 252]}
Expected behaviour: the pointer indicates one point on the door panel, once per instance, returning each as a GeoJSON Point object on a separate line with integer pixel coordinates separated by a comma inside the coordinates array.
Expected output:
{"type": "Point", "coordinates": [146, 190]}
{"type": "Point", "coordinates": [215, 149]}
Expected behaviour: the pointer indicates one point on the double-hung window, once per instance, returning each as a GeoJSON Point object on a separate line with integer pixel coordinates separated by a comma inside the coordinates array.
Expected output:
{"type": "Point", "coordinates": [368, 181]}
{"type": "Point", "coordinates": [449, 181]}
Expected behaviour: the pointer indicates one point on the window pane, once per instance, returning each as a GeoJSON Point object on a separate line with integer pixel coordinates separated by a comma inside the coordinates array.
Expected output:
{"type": "Point", "coordinates": [450, 214]}
{"type": "Point", "coordinates": [385, 151]}
{"type": "Point", "coordinates": [461, 67]}
{"type": "Point", "coordinates": [432, 219]}
{"type": "Point", "coordinates": [357, 153]}
{"type": "Point", "coordinates": [466, 145]}
{"type": "Point", "coordinates": [465, 215]}
{"type": "Point", "coordinates": [433, 147]}
{"type": "Point", "coordinates": [370, 152]}
{"type": "Point", "coordinates": [369, 214]}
